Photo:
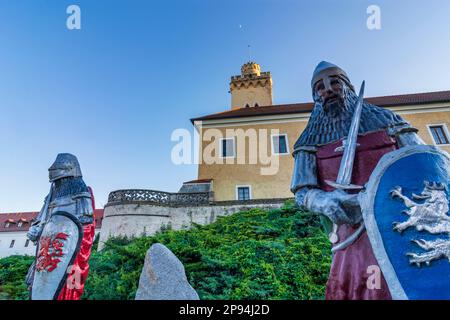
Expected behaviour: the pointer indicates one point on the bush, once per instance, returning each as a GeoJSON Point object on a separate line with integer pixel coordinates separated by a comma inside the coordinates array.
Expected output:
{"type": "Point", "coordinates": [256, 254]}
{"type": "Point", "coordinates": [13, 270]}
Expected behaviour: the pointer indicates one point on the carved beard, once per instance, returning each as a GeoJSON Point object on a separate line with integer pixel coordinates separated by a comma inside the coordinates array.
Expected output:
{"type": "Point", "coordinates": [69, 186]}
{"type": "Point", "coordinates": [343, 103]}
{"type": "Point", "coordinates": [330, 125]}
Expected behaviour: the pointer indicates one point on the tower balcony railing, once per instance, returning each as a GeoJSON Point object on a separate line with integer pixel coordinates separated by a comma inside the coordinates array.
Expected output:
{"type": "Point", "coordinates": [265, 74]}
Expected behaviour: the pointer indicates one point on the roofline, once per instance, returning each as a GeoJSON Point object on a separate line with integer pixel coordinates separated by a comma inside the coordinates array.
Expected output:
{"type": "Point", "coordinates": [309, 107]}
{"type": "Point", "coordinates": [31, 212]}
{"type": "Point", "coordinates": [198, 181]}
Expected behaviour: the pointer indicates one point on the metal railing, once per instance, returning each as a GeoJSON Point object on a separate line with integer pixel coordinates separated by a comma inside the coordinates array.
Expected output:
{"type": "Point", "coordinates": [159, 197]}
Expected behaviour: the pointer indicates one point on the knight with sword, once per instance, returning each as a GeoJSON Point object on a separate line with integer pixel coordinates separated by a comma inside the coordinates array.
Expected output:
{"type": "Point", "coordinates": [63, 233]}
{"type": "Point", "coordinates": [334, 157]}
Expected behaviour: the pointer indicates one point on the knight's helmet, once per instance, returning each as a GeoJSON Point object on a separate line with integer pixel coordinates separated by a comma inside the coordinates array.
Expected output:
{"type": "Point", "coordinates": [325, 68]}
{"type": "Point", "coordinates": [65, 165]}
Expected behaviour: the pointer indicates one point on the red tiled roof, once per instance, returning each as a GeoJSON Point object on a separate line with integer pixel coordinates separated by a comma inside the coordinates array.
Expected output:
{"type": "Point", "coordinates": [98, 215]}
{"type": "Point", "coordinates": [14, 218]}
{"type": "Point", "coordinates": [384, 101]}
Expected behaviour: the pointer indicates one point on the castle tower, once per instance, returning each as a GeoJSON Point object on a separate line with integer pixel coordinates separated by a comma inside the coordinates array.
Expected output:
{"type": "Point", "coordinates": [252, 88]}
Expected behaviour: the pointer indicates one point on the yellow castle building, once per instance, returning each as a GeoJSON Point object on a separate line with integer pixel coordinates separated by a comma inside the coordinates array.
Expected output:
{"type": "Point", "coordinates": [245, 152]}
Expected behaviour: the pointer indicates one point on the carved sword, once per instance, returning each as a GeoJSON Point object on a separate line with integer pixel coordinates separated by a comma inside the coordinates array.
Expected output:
{"type": "Point", "coordinates": [344, 178]}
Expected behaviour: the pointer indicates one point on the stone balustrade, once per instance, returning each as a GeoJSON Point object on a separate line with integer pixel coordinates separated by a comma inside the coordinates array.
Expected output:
{"type": "Point", "coordinates": [137, 212]}
{"type": "Point", "coordinates": [159, 197]}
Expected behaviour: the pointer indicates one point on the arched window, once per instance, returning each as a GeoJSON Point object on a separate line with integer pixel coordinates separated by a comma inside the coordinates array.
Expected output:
{"type": "Point", "coordinates": [256, 104]}
{"type": "Point", "coordinates": [247, 105]}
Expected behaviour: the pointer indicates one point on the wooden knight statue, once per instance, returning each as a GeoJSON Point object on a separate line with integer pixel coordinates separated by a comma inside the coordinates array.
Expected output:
{"type": "Point", "coordinates": [318, 157]}
{"type": "Point", "coordinates": [64, 233]}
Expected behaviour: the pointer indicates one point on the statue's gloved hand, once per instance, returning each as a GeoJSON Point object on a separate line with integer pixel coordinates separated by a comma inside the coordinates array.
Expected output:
{"type": "Point", "coordinates": [34, 232]}
{"type": "Point", "coordinates": [339, 206]}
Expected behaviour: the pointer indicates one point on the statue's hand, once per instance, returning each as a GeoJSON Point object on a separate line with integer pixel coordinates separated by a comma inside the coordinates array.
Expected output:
{"type": "Point", "coordinates": [339, 206]}
{"type": "Point", "coordinates": [34, 232]}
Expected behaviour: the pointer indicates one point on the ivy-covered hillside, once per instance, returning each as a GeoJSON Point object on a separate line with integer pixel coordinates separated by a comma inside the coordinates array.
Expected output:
{"type": "Point", "coordinates": [256, 254]}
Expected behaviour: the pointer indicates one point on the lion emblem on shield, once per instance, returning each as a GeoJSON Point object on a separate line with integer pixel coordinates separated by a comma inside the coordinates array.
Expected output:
{"type": "Point", "coordinates": [430, 216]}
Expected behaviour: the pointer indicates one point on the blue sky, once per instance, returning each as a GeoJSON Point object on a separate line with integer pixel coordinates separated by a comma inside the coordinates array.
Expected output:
{"type": "Point", "coordinates": [113, 92]}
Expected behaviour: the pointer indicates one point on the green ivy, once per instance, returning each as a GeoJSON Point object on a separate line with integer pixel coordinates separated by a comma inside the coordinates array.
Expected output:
{"type": "Point", "coordinates": [255, 254]}
{"type": "Point", "coordinates": [13, 270]}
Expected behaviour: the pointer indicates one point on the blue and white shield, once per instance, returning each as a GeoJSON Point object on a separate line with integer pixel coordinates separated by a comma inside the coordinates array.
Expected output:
{"type": "Point", "coordinates": [406, 212]}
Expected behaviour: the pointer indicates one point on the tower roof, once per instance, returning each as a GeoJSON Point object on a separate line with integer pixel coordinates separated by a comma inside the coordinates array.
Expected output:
{"type": "Point", "coordinates": [251, 68]}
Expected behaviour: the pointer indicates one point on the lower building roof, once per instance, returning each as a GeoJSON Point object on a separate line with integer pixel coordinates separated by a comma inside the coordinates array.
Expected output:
{"type": "Point", "coordinates": [28, 217]}
{"type": "Point", "coordinates": [383, 101]}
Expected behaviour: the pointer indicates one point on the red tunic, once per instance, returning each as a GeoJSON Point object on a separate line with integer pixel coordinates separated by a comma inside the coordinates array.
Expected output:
{"type": "Point", "coordinates": [350, 267]}
{"type": "Point", "coordinates": [74, 286]}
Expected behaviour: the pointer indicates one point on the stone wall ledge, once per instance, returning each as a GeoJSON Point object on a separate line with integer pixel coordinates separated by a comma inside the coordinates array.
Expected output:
{"type": "Point", "coordinates": [211, 203]}
{"type": "Point", "coordinates": [143, 217]}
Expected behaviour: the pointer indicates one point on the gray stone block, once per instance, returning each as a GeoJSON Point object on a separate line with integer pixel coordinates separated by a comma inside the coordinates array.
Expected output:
{"type": "Point", "coordinates": [163, 277]}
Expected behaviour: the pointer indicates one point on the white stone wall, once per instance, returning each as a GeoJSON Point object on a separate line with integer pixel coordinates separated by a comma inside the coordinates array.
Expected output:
{"type": "Point", "coordinates": [19, 248]}
{"type": "Point", "coordinates": [133, 220]}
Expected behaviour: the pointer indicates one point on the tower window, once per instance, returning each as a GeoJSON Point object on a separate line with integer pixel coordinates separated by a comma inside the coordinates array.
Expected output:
{"type": "Point", "coordinates": [247, 105]}
{"type": "Point", "coordinates": [439, 133]}
{"type": "Point", "coordinates": [27, 242]}
{"type": "Point", "coordinates": [280, 144]}
{"type": "Point", "coordinates": [243, 193]}
{"type": "Point", "coordinates": [12, 243]}
{"type": "Point", "coordinates": [227, 148]}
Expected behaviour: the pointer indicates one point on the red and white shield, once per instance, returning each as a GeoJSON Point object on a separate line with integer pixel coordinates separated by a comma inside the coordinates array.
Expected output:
{"type": "Point", "coordinates": [57, 248]}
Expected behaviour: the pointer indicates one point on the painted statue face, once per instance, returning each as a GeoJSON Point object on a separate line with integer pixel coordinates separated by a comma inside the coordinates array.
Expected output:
{"type": "Point", "coordinates": [329, 91]}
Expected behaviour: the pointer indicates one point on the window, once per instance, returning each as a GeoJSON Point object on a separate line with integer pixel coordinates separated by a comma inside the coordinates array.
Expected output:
{"type": "Point", "coordinates": [439, 133]}
{"type": "Point", "coordinates": [280, 144]}
{"type": "Point", "coordinates": [7, 224]}
{"type": "Point", "coordinates": [19, 224]}
{"type": "Point", "coordinates": [243, 193]}
{"type": "Point", "coordinates": [12, 243]}
{"type": "Point", "coordinates": [27, 242]}
{"type": "Point", "coordinates": [227, 148]}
